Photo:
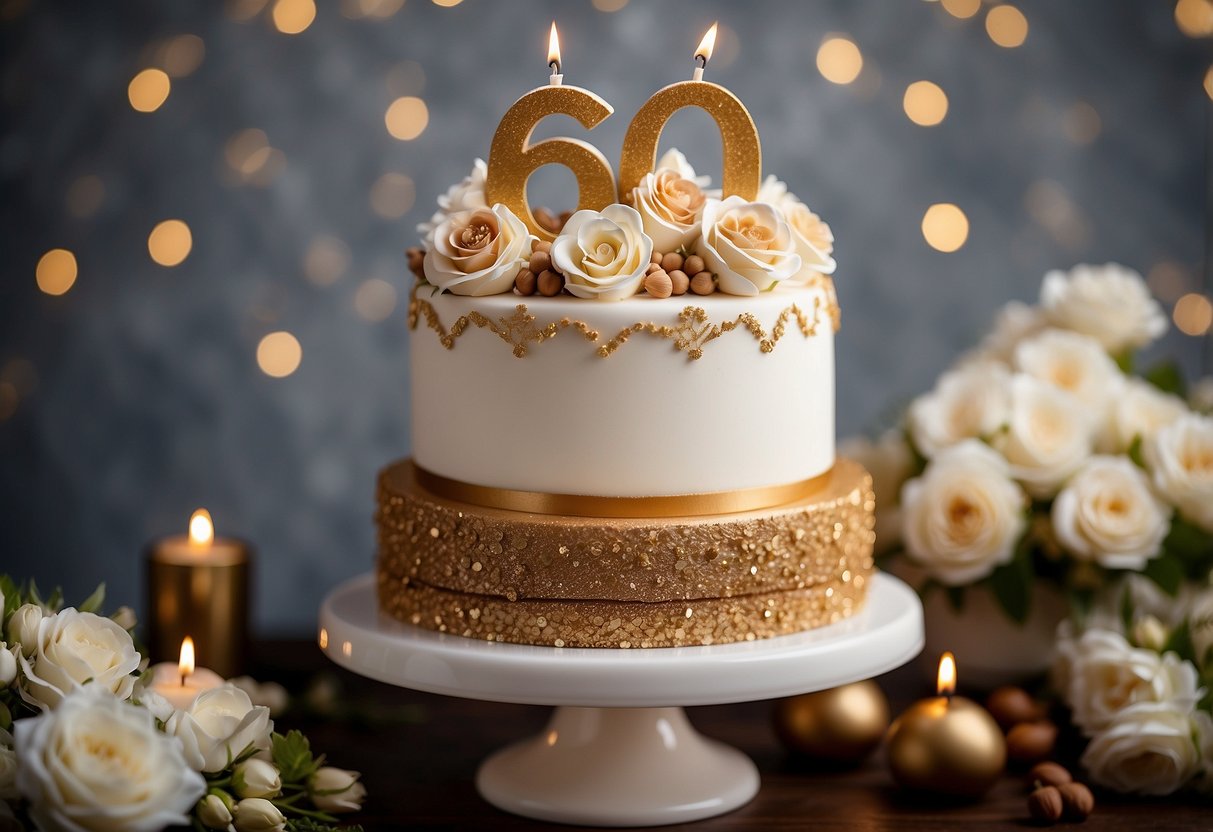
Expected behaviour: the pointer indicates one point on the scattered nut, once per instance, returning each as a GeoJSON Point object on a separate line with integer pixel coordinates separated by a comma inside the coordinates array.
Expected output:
{"type": "Point", "coordinates": [525, 282]}
{"type": "Point", "coordinates": [540, 261]}
{"type": "Point", "coordinates": [416, 259]}
{"type": "Point", "coordinates": [1045, 805]}
{"type": "Point", "coordinates": [564, 218]}
{"type": "Point", "coordinates": [1077, 800]}
{"type": "Point", "coordinates": [652, 267]}
{"type": "Point", "coordinates": [693, 264]}
{"type": "Point", "coordinates": [702, 284]}
{"type": "Point", "coordinates": [1031, 742]}
{"type": "Point", "coordinates": [658, 284]}
{"type": "Point", "coordinates": [1012, 705]}
{"type": "Point", "coordinates": [1048, 774]}
{"type": "Point", "coordinates": [656, 258]}
{"type": "Point", "coordinates": [671, 261]}
{"type": "Point", "coordinates": [550, 283]}
{"type": "Point", "coordinates": [680, 281]}
{"type": "Point", "coordinates": [543, 245]}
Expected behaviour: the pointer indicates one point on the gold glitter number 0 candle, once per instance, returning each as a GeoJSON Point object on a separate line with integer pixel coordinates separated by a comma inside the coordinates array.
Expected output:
{"type": "Point", "coordinates": [512, 158]}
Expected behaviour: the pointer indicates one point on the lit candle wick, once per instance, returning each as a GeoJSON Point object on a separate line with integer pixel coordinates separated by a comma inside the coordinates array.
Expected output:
{"type": "Point", "coordinates": [703, 52]}
{"type": "Point", "coordinates": [556, 79]}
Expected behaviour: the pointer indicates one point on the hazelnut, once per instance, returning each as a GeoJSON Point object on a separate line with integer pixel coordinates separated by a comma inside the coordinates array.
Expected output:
{"type": "Point", "coordinates": [416, 258]}
{"type": "Point", "coordinates": [1030, 742]}
{"type": "Point", "coordinates": [550, 283]}
{"type": "Point", "coordinates": [680, 281]}
{"type": "Point", "coordinates": [1012, 705]}
{"type": "Point", "coordinates": [547, 219]}
{"type": "Point", "coordinates": [703, 284]}
{"type": "Point", "coordinates": [656, 258]}
{"type": "Point", "coordinates": [565, 216]}
{"type": "Point", "coordinates": [1077, 801]}
{"type": "Point", "coordinates": [693, 264]}
{"type": "Point", "coordinates": [671, 261]}
{"type": "Point", "coordinates": [1048, 774]}
{"type": "Point", "coordinates": [540, 261]}
{"type": "Point", "coordinates": [543, 245]}
{"type": "Point", "coordinates": [652, 267]}
{"type": "Point", "coordinates": [525, 282]}
{"type": "Point", "coordinates": [1045, 805]}
{"type": "Point", "coordinates": [658, 284]}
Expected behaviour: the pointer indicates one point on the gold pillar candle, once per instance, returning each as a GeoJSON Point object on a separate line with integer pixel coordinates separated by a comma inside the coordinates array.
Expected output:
{"type": "Point", "coordinates": [198, 587]}
{"type": "Point", "coordinates": [742, 174]}
{"type": "Point", "coordinates": [947, 745]}
{"type": "Point", "coordinates": [843, 724]}
{"type": "Point", "coordinates": [512, 158]}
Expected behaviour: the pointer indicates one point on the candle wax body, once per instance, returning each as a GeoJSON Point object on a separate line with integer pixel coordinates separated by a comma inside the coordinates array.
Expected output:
{"type": "Point", "coordinates": [166, 681]}
{"type": "Point", "coordinates": [947, 746]}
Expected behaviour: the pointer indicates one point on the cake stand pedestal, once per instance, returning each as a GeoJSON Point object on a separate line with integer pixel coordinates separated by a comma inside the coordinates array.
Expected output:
{"type": "Point", "coordinates": [619, 750]}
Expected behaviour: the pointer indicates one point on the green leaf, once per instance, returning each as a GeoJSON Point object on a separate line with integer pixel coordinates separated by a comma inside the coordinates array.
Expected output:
{"type": "Point", "coordinates": [1180, 643]}
{"type": "Point", "coordinates": [93, 602]}
{"type": "Point", "coordinates": [1011, 584]}
{"type": "Point", "coordinates": [12, 598]}
{"type": "Point", "coordinates": [55, 602]}
{"type": "Point", "coordinates": [1126, 610]}
{"type": "Point", "coordinates": [292, 754]}
{"type": "Point", "coordinates": [1192, 545]}
{"type": "Point", "coordinates": [1166, 571]}
{"type": "Point", "coordinates": [1167, 377]}
{"type": "Point", "coordinates": [1135, 453]}
{"type": "Point", "coordinates": [1124, 360]}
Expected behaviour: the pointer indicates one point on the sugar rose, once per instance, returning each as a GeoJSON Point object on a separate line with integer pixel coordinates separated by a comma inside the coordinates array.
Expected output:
{"type": "Point", "coordinates": [478, 252]}
{"type": "Point", "coordinates": [465, 195]}
{"type": "Point", "coordinates": [70, 650]}
{"type": "Point", "coordinates": [670, 203]}
{"type": "Point", "coordinates": [964, 515]}
{"type": "Point", "coordinates": [218, 726]}
{"type": "Point", "coordinates": [1109, 303]}
{"type": "Point", "coordinates": [814, 239]}
{"type": "Point", "coordinates": [603, 255]}
{"type": "Point", "coordinates": [748, 245]}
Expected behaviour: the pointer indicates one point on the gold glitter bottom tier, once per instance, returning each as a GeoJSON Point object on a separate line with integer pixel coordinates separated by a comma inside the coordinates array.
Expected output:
{"type": "Point", "coordinates": [822, 540]}
{"type": "Point", "coordinates": [620, 623]}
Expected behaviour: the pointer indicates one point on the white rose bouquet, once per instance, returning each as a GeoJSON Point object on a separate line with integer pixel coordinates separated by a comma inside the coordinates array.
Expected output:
{"type": "Point", "coordinates": [87, 746]}
{"type": "Point", "coordinates": [1041, 456]}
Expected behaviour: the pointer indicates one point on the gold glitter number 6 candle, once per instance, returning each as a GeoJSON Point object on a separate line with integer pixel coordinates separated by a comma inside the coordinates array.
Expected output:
{"type": "Point", "coordinates": [742, 152]}
{"type": "Point", "coordinates": [512, 159]}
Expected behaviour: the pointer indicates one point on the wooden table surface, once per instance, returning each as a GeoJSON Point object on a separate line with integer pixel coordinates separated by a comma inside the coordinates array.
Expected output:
{"type": "Point", "coordinates": [419, 752]}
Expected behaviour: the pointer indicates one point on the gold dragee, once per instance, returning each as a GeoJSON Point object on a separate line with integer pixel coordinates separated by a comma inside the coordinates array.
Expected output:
{"type": "Point", "coordinates": [742, 172]}
{"type": "Point", "coordinates": [512, 158]}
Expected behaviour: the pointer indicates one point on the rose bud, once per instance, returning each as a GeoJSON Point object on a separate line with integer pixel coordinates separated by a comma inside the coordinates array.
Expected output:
{"type": "Point", "coordinates": [336, 790]}
{"type": "Point", "coordinates": [256, 814]}
{"type": "Point", "coordinates": [8, 665]}
{"type": "Point", "coordinates": [215, 810]}
{"type": "Point", "coordinates": [256, 778]}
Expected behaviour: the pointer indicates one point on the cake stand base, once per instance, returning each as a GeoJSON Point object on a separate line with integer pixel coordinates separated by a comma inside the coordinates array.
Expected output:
{"type": "Point", "coordinates": [618, 767]}
{"type": "Point", "coordinates": [619, 750]}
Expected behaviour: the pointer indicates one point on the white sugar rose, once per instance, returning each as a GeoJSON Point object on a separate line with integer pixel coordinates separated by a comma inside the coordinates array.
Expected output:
{"type": "Point", "coordinates": [1108, 513]}
{"type": "Point", "coordinates": [465, 195]}
{"type": "Point", "coordinates": [1148, 749]}
{"type": "Point", "coordinates": [1107, 675]}
{"type": "Point", "coordinates": [23, 627]}
{"type": "Point", "coordinates": [218, 726]}
{"type": "Point", "coordinates": [1109, 303]}
{"type": "Point", "coordinates": [479, 252]}
{"type": "Point", "coordinates": [748, 246]}
{"type": "Point", "coordinates": [674, 160]}
{"type": "Point", "coordinates": [971, 402]}
{"type": "Point", "coordinates": [603, 255]}
{"type": "Point", "coordinates": [1180, 459]}
{"type": "Point", "coordinates": [1071, 362]}
{"type": "Point", "coordinates": [73, 649]}
{"type": "Point", "coordinates": [1139, 410]}
{"type": "Point", "coordinates": [1048, 437]}
{"type": "Point", "coordinates": [8, 768]}
{"type": "Point", "coordinates": [670, 204]}
{"type": "Point", "coordinates": [814, 239]}
{"type": "Point", "coordinates": [964, 515]}
{"type": "Point", "coordinates": [890, 463]}
{"type": "Point", "coordinates": [98, 764]}
{"type": "Point", "coordinates": [336, 790]}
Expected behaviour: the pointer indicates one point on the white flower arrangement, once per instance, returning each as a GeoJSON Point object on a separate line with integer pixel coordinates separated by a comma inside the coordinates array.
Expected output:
{"type": "Point", "coordinates": [86, 745]}
{"type": "Point", "coordinates": [1110, 468]}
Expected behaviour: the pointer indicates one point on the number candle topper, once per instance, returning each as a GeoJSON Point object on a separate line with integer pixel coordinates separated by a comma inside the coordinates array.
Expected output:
{"type": "Point", "coordinates": [742, 151]}
{"type": "Point", "coordinates": [512, 158]}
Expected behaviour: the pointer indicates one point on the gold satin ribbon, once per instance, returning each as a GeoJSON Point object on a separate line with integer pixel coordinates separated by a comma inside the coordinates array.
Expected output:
{"type": "Point", "coordinates": [579, 505]}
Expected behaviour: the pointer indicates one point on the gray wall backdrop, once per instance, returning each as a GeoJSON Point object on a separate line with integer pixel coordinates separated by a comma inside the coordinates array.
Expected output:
{"type": "Point", "coordinates": [139, 394]}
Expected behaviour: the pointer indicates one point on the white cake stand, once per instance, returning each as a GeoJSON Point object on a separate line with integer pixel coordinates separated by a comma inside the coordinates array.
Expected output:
{"type": "Point", "coordinates": [619, 750]}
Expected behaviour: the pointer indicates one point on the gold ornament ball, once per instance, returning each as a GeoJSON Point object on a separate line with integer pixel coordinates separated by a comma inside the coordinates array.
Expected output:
{"type": "Point", "coordinates": [843, 724]}
{"type": "Point", "coordinates": [948, 747]}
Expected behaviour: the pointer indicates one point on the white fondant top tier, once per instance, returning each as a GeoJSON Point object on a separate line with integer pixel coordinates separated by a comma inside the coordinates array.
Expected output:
{"type": "Point", "coordinates": [698, 394]}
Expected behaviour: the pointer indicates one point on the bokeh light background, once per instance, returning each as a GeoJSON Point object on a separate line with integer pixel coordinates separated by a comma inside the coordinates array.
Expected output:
{"type": "Point", "coordinates": [206, 206]}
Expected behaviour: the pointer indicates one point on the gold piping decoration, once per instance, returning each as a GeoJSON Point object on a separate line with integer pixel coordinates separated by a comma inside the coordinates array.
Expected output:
{"type": "Point", "coordinates": [692, 332]}
{"type": "Point", "coordinates": [579, 505]}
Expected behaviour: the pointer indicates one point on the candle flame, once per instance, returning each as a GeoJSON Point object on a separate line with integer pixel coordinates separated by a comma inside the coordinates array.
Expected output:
{"type": "Point", "coordinates": [554, 48]}
{"type": "Point", "coordinates": [202, 529]}
{"type": "Point", "coordinates": [947, 674]}
{"type": "Point", "coordinates": [704, 50]}
{"type": "Point", "coordinates": [185, 665]}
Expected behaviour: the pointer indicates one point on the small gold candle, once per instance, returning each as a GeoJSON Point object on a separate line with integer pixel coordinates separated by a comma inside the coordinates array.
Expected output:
{"type": "Point", "coordinates": [198, 585]}
{"type": "Point", "coordinates": [947, 745]}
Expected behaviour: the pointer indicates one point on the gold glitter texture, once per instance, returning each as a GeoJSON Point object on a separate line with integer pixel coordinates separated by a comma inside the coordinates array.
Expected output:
{"type": "Point", "coordinates": [690, 334]}
{"type": "Point", "coordinates": [512, 158]}
{"type": "Point", "coordinates": [742, 173]}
